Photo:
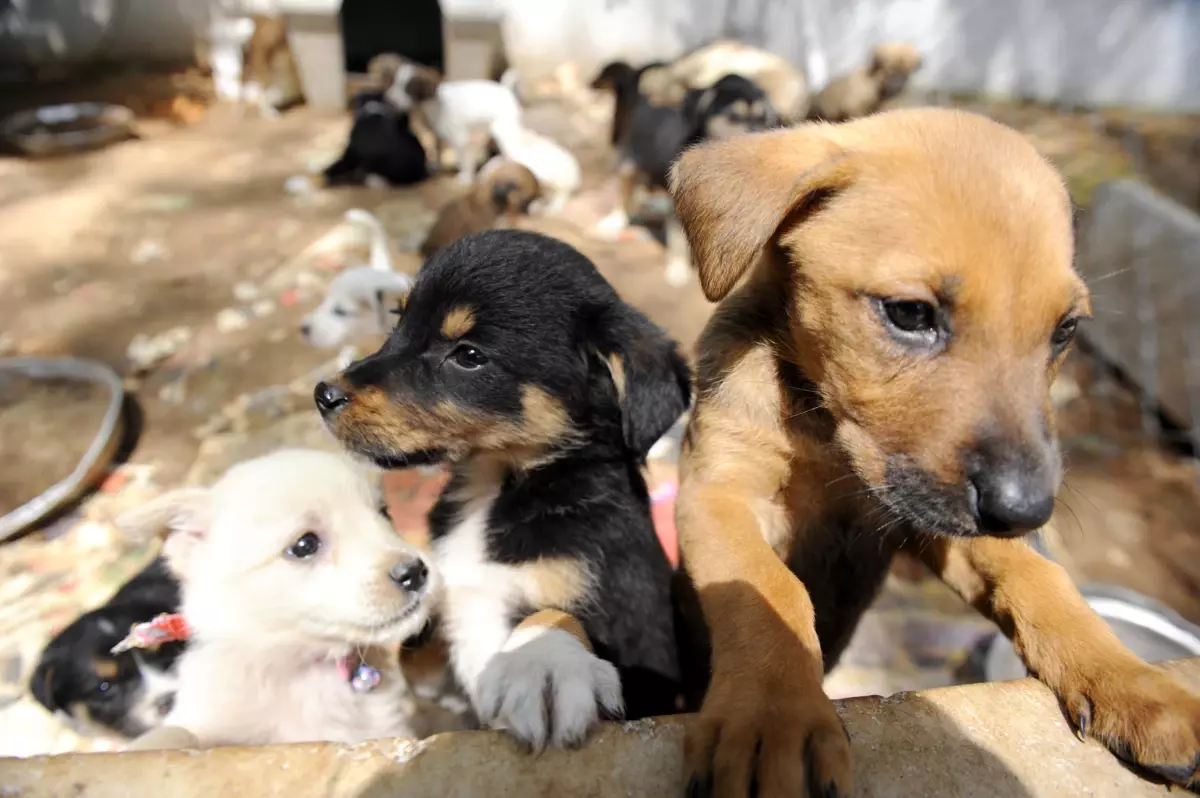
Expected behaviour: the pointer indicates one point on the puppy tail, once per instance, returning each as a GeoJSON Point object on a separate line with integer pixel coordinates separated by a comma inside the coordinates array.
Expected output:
{"type": "Point", "coordinates": [380, 258]}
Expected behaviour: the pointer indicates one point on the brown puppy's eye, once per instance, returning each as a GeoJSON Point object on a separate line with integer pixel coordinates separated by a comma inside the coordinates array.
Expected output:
{"type": "Point", "coordinates": [1064, 334]}
{"type": "Point", "coordinates": [910, 317]}
{"type": "Point", "coordinates": [468, 357]}
{"type": "Point", "coordinates": [307, 545]}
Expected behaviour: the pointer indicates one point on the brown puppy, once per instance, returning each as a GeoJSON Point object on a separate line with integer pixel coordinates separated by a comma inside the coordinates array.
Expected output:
{"type": "Point", "coordinates": [502, 188]}
{"type": "Point", "coordinates": [864, 90]}
{"type": "Point", "coordinates": [270, 79]}
{"type": "Point", "coordinates": [896, 398]}
{"type": "Point", "coordinates": [381, 71]}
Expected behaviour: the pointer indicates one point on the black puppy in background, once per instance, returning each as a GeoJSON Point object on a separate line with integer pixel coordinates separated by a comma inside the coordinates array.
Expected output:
{"type": "Point", "coordinates": [381, 143]}
{"type": "Point", "coordinates": [515, 361]}
{"type": "Point", "coordinates": [127, 693]}
{"type": "Point", "coordinates": [652, 136]}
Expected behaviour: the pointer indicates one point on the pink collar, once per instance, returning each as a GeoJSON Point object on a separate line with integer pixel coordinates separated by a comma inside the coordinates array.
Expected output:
{"type": "Point", "coordinates": [172, 627]}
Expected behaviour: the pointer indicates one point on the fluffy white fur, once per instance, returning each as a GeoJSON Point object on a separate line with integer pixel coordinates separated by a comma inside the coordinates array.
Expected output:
{"type": "Point", "coordinates": [556, 169]}
{"type": "Point", "coordinates": [509, 674]}
{"type": "Point", "coordinates": [359, 299]}
{"type": "Point", "coordinates": [461, 115]}
{"type": "Point", "coordinates": [267, 626]}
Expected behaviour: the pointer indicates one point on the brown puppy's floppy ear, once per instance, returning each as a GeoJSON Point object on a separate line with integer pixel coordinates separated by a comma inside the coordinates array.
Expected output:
{"type": "Point", "coordinates": [651, 377]}
{"type": "Point", "coordinates": [183, 514]}
{"type": "Point", "coordinates": [733, 195]}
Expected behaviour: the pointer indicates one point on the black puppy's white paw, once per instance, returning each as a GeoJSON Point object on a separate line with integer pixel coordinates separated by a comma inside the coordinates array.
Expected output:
{"type": "Point", "coordinates": [546, 686]}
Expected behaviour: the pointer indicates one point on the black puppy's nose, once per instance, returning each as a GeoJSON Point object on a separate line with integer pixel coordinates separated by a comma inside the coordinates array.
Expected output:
{"type": "Point", "coordinates": [410, 574]}
{"type": "Point", "coordinates": [329, 397]}
{"type": "Point", "coordinates": [1010, 501]}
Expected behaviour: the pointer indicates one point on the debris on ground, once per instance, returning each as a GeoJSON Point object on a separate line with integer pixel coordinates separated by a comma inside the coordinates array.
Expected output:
{"type": "Point", "coordinates": [146, 351]}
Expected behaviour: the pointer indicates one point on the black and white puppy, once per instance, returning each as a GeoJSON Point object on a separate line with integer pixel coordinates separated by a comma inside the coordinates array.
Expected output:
{"type": "Point", "coordinates": [381, 143]}
{"type": "Point", "coordinates": [98, 691]}
{"type": "Point", "coordinates": [515, 361]}
{"type": "Point", "coordinates": [652, 136]}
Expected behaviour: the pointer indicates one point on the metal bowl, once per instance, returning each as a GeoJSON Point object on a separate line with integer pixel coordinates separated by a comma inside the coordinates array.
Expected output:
{"type": "Point", "coordinates": [99, 454]}
{"type": "Point", "coordinates": [1152, 631]}
{"type": "Point", "coordinates": [70, 127]}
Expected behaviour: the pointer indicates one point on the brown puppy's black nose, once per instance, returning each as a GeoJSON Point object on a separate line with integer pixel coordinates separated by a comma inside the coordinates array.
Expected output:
{"type": "Point", "coordinates": [329, 397]}
{"type": "Point", "coordinates": [410, 575]}
{"type": "Point", "coordinates": [1010, 500]}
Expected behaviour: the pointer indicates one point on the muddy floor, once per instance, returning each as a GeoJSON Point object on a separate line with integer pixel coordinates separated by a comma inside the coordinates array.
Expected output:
{"type": "Point", "coordinates": [180, 260]}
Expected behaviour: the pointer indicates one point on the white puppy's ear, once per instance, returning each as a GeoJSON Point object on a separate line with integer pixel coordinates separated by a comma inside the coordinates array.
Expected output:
{"type": "Point", "coordinates": [183, 514]}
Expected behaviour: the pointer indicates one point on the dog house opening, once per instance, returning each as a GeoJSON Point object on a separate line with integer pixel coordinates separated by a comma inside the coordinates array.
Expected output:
{"type": "Point", "coordinates": [412, 29]}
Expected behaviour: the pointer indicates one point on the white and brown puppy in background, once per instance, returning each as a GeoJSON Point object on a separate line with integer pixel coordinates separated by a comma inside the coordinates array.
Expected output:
{"type": "Point", "coordinates": [270, 80]}
{"type": "Point", "coordinates": [461, 113]}
{"type": "Point", "coordinates": [359, 301]}
{"type": "Point", "coordinates": [296, 589]}
{"type": "Point", "coordinates": [866, 89]}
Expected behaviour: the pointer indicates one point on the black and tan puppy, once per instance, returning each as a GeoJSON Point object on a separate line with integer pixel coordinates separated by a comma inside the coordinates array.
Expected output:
{"type": "Point", "coordinates": [382, 144]}
{"type": "Point", "coordinates": [127, 693]}
{"type": "Point", "coordinates": [514, 361]}
{"type": "Point", "coordinates": [655, 135]}
{"type": "Point", "coordinates": [502, 190]}
{"type": "Point", "coordinates": [880, 381]}
{"type": "Point", "coordinates": [866, 89]}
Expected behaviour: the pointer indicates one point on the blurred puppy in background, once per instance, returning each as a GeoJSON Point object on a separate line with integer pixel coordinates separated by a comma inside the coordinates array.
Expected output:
{"type": "Point", "coordinates": [502, 190]}
{"type": "Point", "coordinates": [359, 299]}
{"type": "Point", "coordinates": [381, 145]}
{"type": "Point", "coordinates": [270, 80]}
{"type": "Point", "coordinates": [655, 135]}
{"type": "Point", "coordinates": [96, 691]}
{"type": "Point", "coordinates": [783, 83]}
{"type": "Point", "coordinates": [461, 113]}
{"type": "Point", "coordinates": [865, 90]}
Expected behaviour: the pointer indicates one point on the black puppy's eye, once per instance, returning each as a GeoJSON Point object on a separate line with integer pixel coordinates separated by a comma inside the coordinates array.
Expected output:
{"type": "Point", "coordinates": [910, 315]}
{"type": "Point", "coordinates": [468, 357]}
{"type": "Point", "coordinates": [103, 687]}
{"type": "Point", "coordinates": [1063, 334]}
{"type": "Point", "coordinates": [307, 545]}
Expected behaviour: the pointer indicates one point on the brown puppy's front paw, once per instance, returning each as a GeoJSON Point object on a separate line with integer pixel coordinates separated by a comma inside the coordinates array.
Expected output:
{"type": "Point", "coordinates": [1143, 716]}
{"type": "Point", "coordinates": [769, 741]}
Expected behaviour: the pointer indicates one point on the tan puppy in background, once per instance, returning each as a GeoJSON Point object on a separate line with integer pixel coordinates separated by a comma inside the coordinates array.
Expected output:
{"type": "Point", "coordinates": [866, 89]}
{"type": "Point", "coordinates": [503, 189]}
{"type": "Point", "coordinates": [270, 79]}
{"type": "Point", "coordinates": [881, 382]}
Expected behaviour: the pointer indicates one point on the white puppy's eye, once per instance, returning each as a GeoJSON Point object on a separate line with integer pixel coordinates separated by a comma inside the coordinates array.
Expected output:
{"type": "Point", "coordinates": [339, 311]}
{"type": "Point", "coordinates": [305, 546]}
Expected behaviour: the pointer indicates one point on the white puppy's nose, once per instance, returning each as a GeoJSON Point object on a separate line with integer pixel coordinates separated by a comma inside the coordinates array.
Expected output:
{"type": "Point", "coordinates": [410, 575]}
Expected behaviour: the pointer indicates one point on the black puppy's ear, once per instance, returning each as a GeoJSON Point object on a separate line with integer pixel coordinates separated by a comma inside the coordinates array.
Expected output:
{"type": "Point", "coordinates": [46, 685]}
{"type": "Point", "coordinates": [652, 379]}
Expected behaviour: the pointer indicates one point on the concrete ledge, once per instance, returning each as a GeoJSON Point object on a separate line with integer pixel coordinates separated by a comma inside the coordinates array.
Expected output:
{"type": "Point", "coordinates": [1006, 740]}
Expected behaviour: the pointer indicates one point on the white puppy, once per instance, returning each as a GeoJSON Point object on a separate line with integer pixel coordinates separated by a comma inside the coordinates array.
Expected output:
{"type": "Point", "coordinates": [359, 299]}
{"type": "Point", "coordinates": [293, 585]}
{"type": "Point", "coordinates": [556, 169]}
{"type": "Point", "coordinates": [461, 113]}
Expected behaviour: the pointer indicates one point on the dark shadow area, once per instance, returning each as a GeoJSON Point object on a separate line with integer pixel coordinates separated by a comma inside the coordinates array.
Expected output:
{"type": "Point", "coordinates": [412, 29]}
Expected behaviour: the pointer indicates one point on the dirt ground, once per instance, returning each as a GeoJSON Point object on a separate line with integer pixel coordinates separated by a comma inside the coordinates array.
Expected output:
{"type": "Point", "coordinates": [187, 238]}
